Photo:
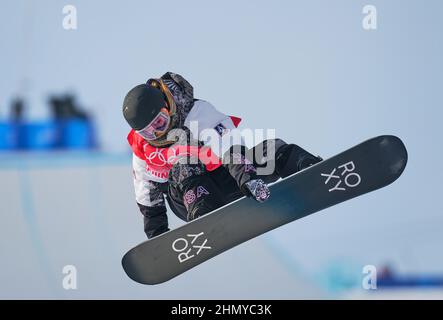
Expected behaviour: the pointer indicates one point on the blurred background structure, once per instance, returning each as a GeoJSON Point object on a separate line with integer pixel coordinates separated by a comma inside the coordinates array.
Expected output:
{"type": "Point", "coordinates": [68, 128]}
{"type": "Point", "coordinates": [306, 68]}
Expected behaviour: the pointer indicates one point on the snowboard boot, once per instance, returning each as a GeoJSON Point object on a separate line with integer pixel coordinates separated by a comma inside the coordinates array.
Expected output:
{"type": "Point", "coordinates": [291, 158]}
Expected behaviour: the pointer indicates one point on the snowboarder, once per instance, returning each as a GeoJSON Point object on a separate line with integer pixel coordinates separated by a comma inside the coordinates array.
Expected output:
{"type": "Point", "coordinates": [170, 160]}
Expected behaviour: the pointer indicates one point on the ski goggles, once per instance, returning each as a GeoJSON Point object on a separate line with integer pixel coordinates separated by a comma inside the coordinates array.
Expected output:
{"type": "Point", "coordinates": [157, 127]}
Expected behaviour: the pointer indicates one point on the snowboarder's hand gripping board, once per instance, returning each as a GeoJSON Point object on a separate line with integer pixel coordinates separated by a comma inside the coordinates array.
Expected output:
{"type": "Point", "coordinates": [258, 189]}
{"type": "Point", "coordinates": [368, 166]}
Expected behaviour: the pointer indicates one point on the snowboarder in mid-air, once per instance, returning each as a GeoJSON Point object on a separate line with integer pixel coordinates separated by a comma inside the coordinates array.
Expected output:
{"type": "Point", "coordinates": [171, 159]}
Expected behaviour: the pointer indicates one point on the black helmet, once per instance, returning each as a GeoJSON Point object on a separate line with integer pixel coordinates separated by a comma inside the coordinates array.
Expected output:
{"type": "Point", "coordinates": [142, 104]}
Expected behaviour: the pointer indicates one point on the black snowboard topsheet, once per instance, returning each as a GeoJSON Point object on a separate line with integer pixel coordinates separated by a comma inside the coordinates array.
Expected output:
{"type": "Point", "coordinates": [365, 167]}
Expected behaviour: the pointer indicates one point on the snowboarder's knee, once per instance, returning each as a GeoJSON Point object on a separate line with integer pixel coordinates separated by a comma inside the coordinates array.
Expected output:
{"type": "Point", "coordinates": [266, 151]}
{"type": "Point", "coordinates": [264, 158]}
{"type": "Point", "coordinates": [276, 159]}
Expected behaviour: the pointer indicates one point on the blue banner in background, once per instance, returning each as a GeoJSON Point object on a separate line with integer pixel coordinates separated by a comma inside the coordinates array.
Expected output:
{"type": "Point", "coordinates": [72, 134]}
{"type": "Point", "coordinates": [78, 134]}
{"type": "Point", "coordinates": [43, 135]}
{"type": "Point", "coordinates": [8, 136]}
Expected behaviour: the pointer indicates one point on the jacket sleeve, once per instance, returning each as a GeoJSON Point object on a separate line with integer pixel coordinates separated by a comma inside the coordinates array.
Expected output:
{"type": "Point", "coordinates": [150, 200]}
{"type": "Point", "coordinates": [217, 131]}
{"type": "Point", "coordinates": [155, 220]}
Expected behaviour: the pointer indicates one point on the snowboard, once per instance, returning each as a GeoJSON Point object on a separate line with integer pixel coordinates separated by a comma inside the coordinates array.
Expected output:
{"type": "Point", "coordinates": [368, 166]}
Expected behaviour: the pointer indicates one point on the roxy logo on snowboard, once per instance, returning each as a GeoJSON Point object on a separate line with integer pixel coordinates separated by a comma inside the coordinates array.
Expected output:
{"type": "Point", "coordinates": [342, 178]}
{"type": "Point", "coordinates": [190, 246]}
